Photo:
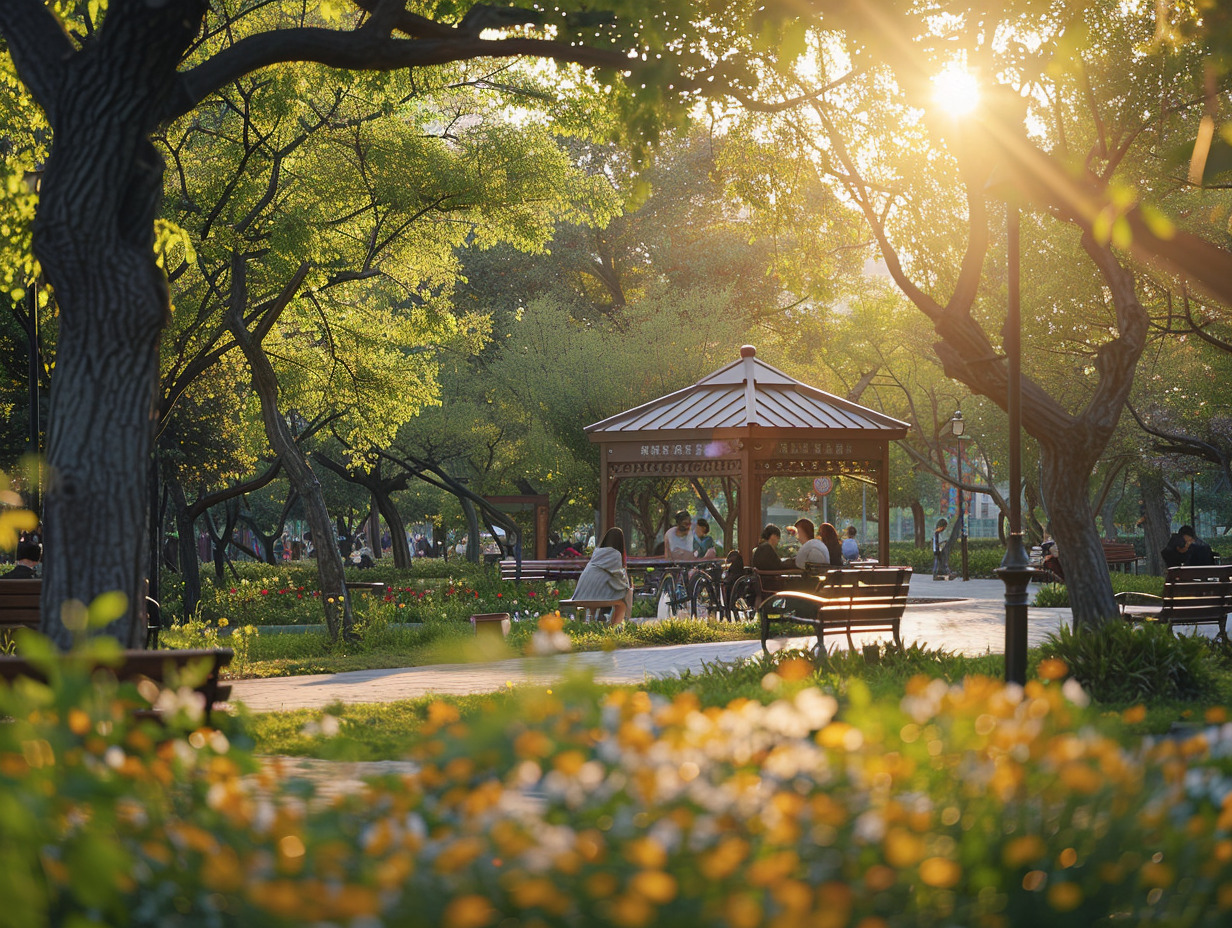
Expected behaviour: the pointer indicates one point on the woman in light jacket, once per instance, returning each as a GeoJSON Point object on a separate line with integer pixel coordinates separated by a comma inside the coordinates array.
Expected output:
{"type": "Point", "coordinates": [604, 579]}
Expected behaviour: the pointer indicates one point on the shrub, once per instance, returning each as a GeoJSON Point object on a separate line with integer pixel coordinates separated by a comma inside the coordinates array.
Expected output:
{"type": "Point", "coordinates": [1056, 595]}
{"type": "Point", "coordinates": [1119, 662]}
{"type": "Point", "coordinates": [961, 804]}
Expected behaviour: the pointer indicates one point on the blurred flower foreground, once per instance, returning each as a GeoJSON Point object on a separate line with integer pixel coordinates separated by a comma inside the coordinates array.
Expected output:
{"type": "Point", "coordinates": [973, 805]}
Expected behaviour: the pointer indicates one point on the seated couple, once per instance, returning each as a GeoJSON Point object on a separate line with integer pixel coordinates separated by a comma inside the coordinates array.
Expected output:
{"type": "Point", "coordinates": [681, 544]}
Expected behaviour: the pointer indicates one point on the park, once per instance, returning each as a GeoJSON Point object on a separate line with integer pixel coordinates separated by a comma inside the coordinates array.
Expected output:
{"type": "Point", "coordinates": [633, 463]}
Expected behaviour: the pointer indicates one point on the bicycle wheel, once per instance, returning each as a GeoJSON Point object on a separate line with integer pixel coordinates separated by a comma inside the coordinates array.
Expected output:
{"type": "Point", "coordinates": [704, 599]}
{"type": "Point", "coordinates": [670, 597]}
{"type": "Point", "coordinates": [743, 596]}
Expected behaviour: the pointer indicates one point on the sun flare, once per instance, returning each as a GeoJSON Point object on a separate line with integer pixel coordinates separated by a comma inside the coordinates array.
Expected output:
{"type": "Point", "coordinates": [956, 91]}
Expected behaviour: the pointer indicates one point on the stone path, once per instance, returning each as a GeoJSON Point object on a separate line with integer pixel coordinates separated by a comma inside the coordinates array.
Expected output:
{"type": "Point", "coordinates": [972, 625]}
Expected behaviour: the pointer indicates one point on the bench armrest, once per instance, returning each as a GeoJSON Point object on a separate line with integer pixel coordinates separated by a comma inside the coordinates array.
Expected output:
{"type": "Point", "coordinates": [1130, 597]}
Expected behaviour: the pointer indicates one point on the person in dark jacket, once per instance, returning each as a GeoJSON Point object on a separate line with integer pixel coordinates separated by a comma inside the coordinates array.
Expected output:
{"type": "Point", "coordinates": [766, 557]}
{"type": "Point", "coordinates": [29, 553]}
{"type": "Point", "coordinates": [1185, 549]}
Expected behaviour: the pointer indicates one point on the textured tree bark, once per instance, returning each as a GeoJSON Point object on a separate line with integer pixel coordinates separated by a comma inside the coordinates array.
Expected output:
{"type": "Point", "coordinates": [917, 524]}
{"type": "Point", "coordinates": [338, 617]}
{"type": "Point", "coordinates": [1155, 512]}
{"type": "Point", "coordinates": [397, 529]}
{"type": "Point", "coordinates": [1064, 484]}
{"type": "Point", "coordinates": [472, 529]}
{"type": "Point", "coordinates": [190, 563]}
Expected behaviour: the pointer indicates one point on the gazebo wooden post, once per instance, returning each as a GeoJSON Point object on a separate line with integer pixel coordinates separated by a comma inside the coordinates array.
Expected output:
{"type": "Point", "coordinates": [749, 503]}
{"type": "Point", "coordinates": [606, 520]}
{"type": "Point", "coordinates": [883, 506]}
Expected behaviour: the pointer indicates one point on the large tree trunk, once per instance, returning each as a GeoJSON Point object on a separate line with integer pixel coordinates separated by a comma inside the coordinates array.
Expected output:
{"type": "Point", "coordinates": [472, 530]}
{"type": "Point", "coordinates": [338, 617]}
{"type": "Point", "coordinates": [190, 564]}
{"type": "Point", "coordinates": [397, 529]}
{"type": "Point", "coordinates": [93, 236]}
{"type": "Point", "coordinates": [1155, 515]}
{"type": "Point", "coordinates": [1064, 484]}
{"type": "Point", "coordinates": [917, 524]}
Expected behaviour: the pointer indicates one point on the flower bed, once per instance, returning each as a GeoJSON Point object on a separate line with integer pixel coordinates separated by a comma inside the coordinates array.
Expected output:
{"type": "Point", "coordinates": [971, 804]}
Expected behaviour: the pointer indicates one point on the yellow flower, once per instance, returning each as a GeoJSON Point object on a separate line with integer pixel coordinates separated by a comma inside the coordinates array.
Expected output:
{"type": "Point", "coordinates": [1064, 897]}
{"type": "Point", "coordinates": [223, 623]}
{"type": "Point", "coordinates": [1022, 851]}
{"type": "Point", "coordinates": [655, 885]}
{"type": "Point", "coordinates": [940, 872]}
{"type": "Point", "coordinates": [1052, 668]}
{"type": "Point", "coordinates": [468, 912]}
{"type": "Point", "coordinates": [1134, 714]}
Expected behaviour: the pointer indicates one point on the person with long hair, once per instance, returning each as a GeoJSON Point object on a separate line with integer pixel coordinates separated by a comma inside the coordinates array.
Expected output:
{"type": "Point", "coordinates": [828, 535]}
{"type": "Point", "coordinates": [605, 578]}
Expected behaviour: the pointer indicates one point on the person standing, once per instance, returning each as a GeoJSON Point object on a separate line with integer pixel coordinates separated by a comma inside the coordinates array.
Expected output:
{"type": "Point", "coordinates": [941, 561]}
{"type": "Point", "coordinates": [605, 577]}
{"type": "Point", "coordinates": [812, 551]}
{"type": "Point", "coordinates": [851, 548]}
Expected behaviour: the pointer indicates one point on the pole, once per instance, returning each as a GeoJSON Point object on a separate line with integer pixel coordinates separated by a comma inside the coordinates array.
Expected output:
{"type": "Point", "coordinates": [32, 438]}
{"type": "Point", "coordinates": [962, 514]}
{"type": "Point", "coordinates": [1015, 570]}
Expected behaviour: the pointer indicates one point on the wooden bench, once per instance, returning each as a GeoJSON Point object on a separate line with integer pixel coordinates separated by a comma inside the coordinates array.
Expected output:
{"type": "Point", "coordinates": [365, 586]}
{"type": "Point", "coordinates": [157, 666]}
{"type": "Point", "coordinates": [1120, 554]}
{"type": "Point", "coordinates": [561, 568]}
{"type": "Point", "coordinates": [1192, 596]}
{"type": "Point", "coordinates": [848, 600]}
{"type": "Point", "coordinates": [589, 606]}
{"type": "Point", "coordinates": [19, 608]}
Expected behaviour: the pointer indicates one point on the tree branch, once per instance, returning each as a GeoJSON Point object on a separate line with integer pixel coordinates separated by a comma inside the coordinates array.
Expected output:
{"type": "Point", "coordinates": [39, 47]}
{"type": "Point", "coordinates": [364, 50]}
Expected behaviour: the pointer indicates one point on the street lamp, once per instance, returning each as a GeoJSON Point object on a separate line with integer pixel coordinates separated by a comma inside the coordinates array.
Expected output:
{"type": "Point", "coordinates": [957, 428]}
{"type": "Point", "coordinates": [1015, 570]}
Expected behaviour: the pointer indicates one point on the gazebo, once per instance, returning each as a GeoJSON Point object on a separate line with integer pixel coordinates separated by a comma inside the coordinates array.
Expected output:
{"type": "Point", "coordinates": [751, 422]}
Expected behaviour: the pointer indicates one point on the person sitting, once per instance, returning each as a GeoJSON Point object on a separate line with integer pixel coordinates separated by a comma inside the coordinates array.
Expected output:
{"type": "Point", "coordinates": [1185, 549]}
{"type": "Point", "coordinates": [677, 541]}
{"type": "Point", "coordinates": [766, 557]}
{"type": "Point", "coordinates": [813, 552]}
{"type": "Point", "coordinates": [703, 544]}
{"type": "Point", "coordinates": [29, 553]}
{"type": "Point", "coordinates": [605, 578]}
{"type": "Point", "coordinates": [827, 534]}
{"type": "Point", "coordinates": [851, 548]}
{"type": "Point", "coordinates": [1052, 562]}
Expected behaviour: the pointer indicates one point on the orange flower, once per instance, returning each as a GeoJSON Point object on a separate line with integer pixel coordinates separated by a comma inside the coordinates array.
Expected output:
{"type": "Point", "coordinates": [468, 912]}
{"type": "Point", "coordinates": [940, 872]}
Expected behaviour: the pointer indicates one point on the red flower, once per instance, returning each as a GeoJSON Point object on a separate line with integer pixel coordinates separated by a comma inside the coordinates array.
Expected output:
{"type": "Point", "coordinates": [530, 592]}
{"type": "Point", "coordinates": [498, 595]}
{"type": "Point", "coordinates": [232, 589]}
{"type": "Point", "coordinates": [265, 592]}
{"type": "Point", "coordinates": [299, 595]}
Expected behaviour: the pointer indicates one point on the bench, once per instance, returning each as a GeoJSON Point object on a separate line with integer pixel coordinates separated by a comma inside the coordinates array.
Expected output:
{"type": "Point", "coordinates": [563, 568]}
{"type": "Point", "coordinates": [848, 600]}
{"type": "Point", "coordinates": [1120, 554]}
{"type": "Point", "coordinates": [589, 606]}
{"type": "Point", "coordinates": [19, 608]}
{"type": "Point", "coordinates": [365, 586]}
{"type": "Point", "coordinates": [157, 666]}
{"type": "Point", "coordinates": [1192, 596]}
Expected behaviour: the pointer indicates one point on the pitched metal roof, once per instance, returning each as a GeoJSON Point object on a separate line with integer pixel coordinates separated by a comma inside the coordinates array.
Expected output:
{"type": "Point", "coordinates": [746, 392]}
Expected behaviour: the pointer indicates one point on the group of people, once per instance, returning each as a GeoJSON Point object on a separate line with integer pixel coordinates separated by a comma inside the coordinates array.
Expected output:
{"type": "Point", "coordinates": [1184, 549]}
{"type": "Point", "coordinates": [819, 547]}
{"type": "Point", "coordinates": [689, 539]}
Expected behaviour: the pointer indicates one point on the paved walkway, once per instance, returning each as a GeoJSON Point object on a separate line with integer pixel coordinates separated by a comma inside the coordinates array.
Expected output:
{"type": "Point", "coordinates": [972, 625]}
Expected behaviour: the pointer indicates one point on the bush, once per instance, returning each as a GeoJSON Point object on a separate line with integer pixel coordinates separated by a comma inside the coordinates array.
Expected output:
{"type": "Point", "coordinates": [1056, 595]}
{"type": "Point", "coordinates": [1119, 662]}
{"type": "Point", "coordinates": [983, 557]}
{"type": "Point", "coordinates": [961, 804]}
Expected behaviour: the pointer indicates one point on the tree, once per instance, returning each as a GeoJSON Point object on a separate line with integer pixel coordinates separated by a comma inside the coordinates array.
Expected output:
{"type": "Point", "coordinates": [106, 87]}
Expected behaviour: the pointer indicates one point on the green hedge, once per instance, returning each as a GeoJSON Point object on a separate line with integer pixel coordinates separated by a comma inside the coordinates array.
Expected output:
{"type": "Point", "coordinates": [970, 804]}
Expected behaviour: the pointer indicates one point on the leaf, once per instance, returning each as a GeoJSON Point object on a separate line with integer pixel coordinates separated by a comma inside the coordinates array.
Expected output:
{"type": "Point", "coordinates": [106, 608]}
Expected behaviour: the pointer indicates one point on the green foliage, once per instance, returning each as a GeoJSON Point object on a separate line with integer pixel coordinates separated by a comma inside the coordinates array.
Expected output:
{"type": "Point", "coordinates": [1118, 662]}
{"type": "Point", "coordinates": [984, 556]}
{"type": "Point", "coordinates": [1056, 595]}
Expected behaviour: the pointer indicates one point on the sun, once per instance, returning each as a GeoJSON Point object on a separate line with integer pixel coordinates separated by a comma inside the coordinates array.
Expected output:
{"type": "Point", "coordinates": [956, 91]}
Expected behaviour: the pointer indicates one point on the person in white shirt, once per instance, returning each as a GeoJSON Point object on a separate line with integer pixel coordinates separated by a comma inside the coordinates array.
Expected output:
{"type": "Point", "coordinates": [678, 541]}
{"type": "Point", "coordinates": [812, 551]}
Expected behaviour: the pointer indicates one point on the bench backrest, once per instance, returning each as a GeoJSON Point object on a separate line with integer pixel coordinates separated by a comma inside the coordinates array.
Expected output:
{"type": "Point", "coordinates": [870, 592]}
{"type": "Point", "coordinates": [1118, 550]}
{"type": "Point", "coordinates": [1197, 594]}
{"type": "Point", "coordinates": [19, 603]}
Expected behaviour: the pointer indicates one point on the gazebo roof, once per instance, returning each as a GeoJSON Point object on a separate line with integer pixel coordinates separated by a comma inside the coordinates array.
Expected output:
{"type": "Point", "coordinates": [743, 393]}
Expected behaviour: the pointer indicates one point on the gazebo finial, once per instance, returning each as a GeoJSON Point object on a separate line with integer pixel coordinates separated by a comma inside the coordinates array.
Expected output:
{"type": "Point", "coordinates": [748, 351]}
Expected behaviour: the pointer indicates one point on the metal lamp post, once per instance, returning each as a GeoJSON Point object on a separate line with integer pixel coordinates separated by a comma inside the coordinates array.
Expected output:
{"type": "Point", "coordinates": [1015, 570]}
{"type": "Point", "coordinates": [957, 428]}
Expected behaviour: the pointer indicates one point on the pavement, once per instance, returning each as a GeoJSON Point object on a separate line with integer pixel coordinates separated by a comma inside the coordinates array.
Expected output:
{"type": "Point", "coordinates": [971, 622]}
